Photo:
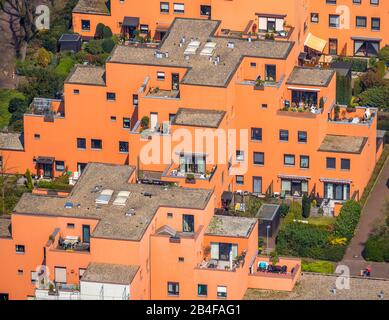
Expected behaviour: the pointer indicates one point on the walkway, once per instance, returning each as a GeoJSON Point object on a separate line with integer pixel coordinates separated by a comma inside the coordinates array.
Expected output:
{"type": "Point", "coordinates": [372, 215]}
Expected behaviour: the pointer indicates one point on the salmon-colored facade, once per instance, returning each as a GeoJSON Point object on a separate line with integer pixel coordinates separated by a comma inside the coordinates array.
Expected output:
{"type": "Point", "coordinates": [147, 108]}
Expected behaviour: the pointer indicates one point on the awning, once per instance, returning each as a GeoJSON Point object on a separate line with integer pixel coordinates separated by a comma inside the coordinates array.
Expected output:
{"type": "Point", "coordinates": [340, 181]}
{"type": "Point", "coordinates": [45, 160]}
{"type": "Point", "coordinates": [366, 39]}
{"type": "Point", "coordinates": [315, 43]}
{"type": "Point", "coordinates": [297, 178]}
{"type": "Point", "coordinates": [130, 22]}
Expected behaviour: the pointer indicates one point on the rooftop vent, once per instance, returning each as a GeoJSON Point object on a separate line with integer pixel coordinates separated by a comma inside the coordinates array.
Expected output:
{"type": "Point", "coordinates": [230, 45]}
{"type": "Point", "coordinates": [104, 196]}
{"type": "Point", "coordinates": [147, 194]}
{"type": "Point", "coordinates": [121, 198]}
{"type": "Point", "coordinates": [160, 54]}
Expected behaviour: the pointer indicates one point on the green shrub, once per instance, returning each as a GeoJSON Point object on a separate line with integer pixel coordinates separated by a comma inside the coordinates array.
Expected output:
{"type": "Point", "coordinates": [359, 65]}
{"type": "Point", "coordinates": [343, 89]}
{"type": "Point", "coordinates": [284, 209]}
{"type": "Point", "coordinates": [347, 220]}
{"type": "Point", "coordinates": [107, 32]}
{"type": "Point", "coordinates": [384, 54]}
{"type": "Point", "coordinates": [376, 97]}
{"type": "Point", "coordinates": [357, 87]}
{"type": "Point", "coordinates": [65, 66]}
{"type": "Point", "coordinates": [99, 31]}
{"type": "Point", "coordinates": [108, 45]}
{"type": "Point", "coordinates": [377, 248]}
{"type": "Point", "coordinates": [29, 182]}
{"type": "Point", "coordinates": [52, 185]}
{"type": "Point", "coordinates": [295, 212]}
{"type": "Point", "coordinates": [94, 47]}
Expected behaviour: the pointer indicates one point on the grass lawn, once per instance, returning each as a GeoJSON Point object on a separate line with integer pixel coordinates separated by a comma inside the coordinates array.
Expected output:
{"type": "Point", "coordinates": [317, 266]}
{"type": "Point", "coordinates": [321, 221]}
{"type": "Point", "coordinates": [5, 97]}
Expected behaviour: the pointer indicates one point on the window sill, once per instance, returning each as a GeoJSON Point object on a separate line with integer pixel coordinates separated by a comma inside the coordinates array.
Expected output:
{"type": "Point", "coordinates": [94, 149]}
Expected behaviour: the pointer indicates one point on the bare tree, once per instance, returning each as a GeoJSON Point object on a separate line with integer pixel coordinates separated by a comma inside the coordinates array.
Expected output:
{"type": "Point", "coordinates": [20, 16]}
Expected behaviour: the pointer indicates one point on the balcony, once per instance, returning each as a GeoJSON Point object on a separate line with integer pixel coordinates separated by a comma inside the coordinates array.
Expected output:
{"type": "Point", "coordinates": [57, 291]}
{"type": "Point", "coordinates": [157, 93]}
{"type": "Point", "coordinates": [352, 115]}
{"type": "Point", "coordinates": [72, 243]}
{"type": "Point", "coordinates": [48, 108]}
{"type": "Point", "coordinates": [222, 265]}
{"type": "Point", "coordinates": [173, 171]}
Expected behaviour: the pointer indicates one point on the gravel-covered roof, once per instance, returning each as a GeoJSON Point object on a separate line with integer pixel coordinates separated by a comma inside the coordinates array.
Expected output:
{"type": "Point", "coordinates": [343, 144]}
{"type": "Point", "coordinates": [230, 226]}
{"type": "Point", "coordinates": [199, 117]}
{"type": "Point", "coordinates": [5, 227]}
{"type": "Point", "coordinates": [91, 75]}
{"type": "Point", "coordinates": [91, 6]}
{"type": "Point", "coordinates": [310, 77]}
{"type": "Point", "coordinates": [110, 273]}
{"type": "Point", "coordinates": [11, 141]}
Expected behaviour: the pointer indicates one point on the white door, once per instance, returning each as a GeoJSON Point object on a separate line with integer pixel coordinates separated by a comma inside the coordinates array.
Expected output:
{"type": "Point", "coordinates": [153, 120]}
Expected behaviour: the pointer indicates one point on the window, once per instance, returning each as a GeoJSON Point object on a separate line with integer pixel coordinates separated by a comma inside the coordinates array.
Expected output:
{"type": "Point", "coordinates": [76, 91]}
{"type": "Point", "coordinates": [178, 7]}
{"type": "Point", "coordinates": [284, 135]}
{"type": "Point", "coordinates": [20, 248]}
{"type": "Point", "coordinates": [345, 164]}
{"type": "Point", "coordinates": [361, 22]}
{"type": "Point", "coordinates": [111, 96]}
{"type": "Point", "coordinates": [302, 137]}
{"type": "Point", "coordinates": [375, 2]}
{"type": "Point", "coordinates": [37, 136]}
{"type": "Point", "coordinates": [160, 75]}
{"type": "Point", "coordinates": [70, 225]}
{"type": "Point", "coordinates": [333, 46]}
{"type": "Point", "coordinates": [113, 118]}
{"type": "Point", "coordinates": [144, 29]}
{"type": "Point", "coordinates": [187, 223]}
{"type": "Point", "coordinates": [256, 134]}
{"type": "Point", "coordinates": [375, 24]}
{"type": "Point", "coordinates": [96, 144]}
{"type": "Point", "coordinates": [314, 17]}
{"type": "Point", "coordinates": [181, 259]}
{"type": "Point", "coordinates": [334, 21]}
{"type": "Point", "coordinates": [123, 146]}
{"type": "Point", "coordinates": [264, 106]}
{"type": "Point", "coordinates": [253, 64]}
{"type": "Point", "coordinates": [270, 72]}
{"type": "Point", "coordinates": [60, 275]}
{"type": "Point", "coordinates": [304, 162]}
{"type": "Point", "coordinates": [330, 163]}
{"type": "Point", "coordinates": [85, 25]}
{"type": "Point", "coordinates": [34, 276]}
{"type": "Point", "coordinates": [205, 10]}
{"type": "Point", "coordinates": [164, 7]}
{"type": "Point", "coordinates": [336, 191]}
{"type": "Point", "coordinates": [202, 290]}
{"type": "Point", "coordinates": [239, 155]}
{"type": "Point", "coordinates": [126, 122]}
{"type": "Point", "coordinates": [81, 143]}
{"type": "Point", "coordinates": [59, 165]}
{"type": "Point", "coordinates": [173, 288]}
{"type": "Point", "coordinates": [289, 159]}
{"type": "Point", "coordinates": [135, 100]}
{"type": "Point", "coordinates": [259, 158]}
{"type": "Point", "coordinates": [221, 292]}
{"type": "Point", "coordinates": [170, 215]}
{"type": "Point", "coordinates": [331, 1]}
{"type": "Point", "coordinates": [239, 180]}
{"type": "Point", "coordinates": [20, 272]}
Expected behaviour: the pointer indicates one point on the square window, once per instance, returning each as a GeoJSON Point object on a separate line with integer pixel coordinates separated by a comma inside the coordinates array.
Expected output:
{"type": "Point", "coordinates": [113, 118]}
{"type": "Point", "coordinates": [20, 248]}
{"type": "Point", "coordinates": [345, 164]}
{"type": "Point", "coordinates": [302, 137]}
{"type": "Point", "coordinates": [126, 123]}
{"type": "Point", "coordinates": [202, 290]}
{"type": "Point", "coordinates": [170, 215]}
{"type": "Point", "coordinates": [59, 165]}
{"type": "Point", "coordinates": [96, 144]}
{"type": "Point", "coordinates": [221, 292]}
{"type": "Point", "coordinates": [76, 91]}
{"type": "Point", "coordinates": [70, 225]}
{"type": "Point", "coordinates": [173, 288]}
{"type": "Point", "coordinates": [111, 96]}
{"type": "Point", "coordinates": [181, 259]}
{"type": "Point", "coordinates": [123, 146]}
{"type": "Point", "coordinates": [256, 134]}
{"type": "Point", "coordinates": [259, 158]}
{"type": "Point", "coordinates": [85, 25]}
{"type": "Point", "coordinates": [160, 75]}
{"type": "Point", "coordinates": [331, 163]}
{"type": "Point", "coordinates": [289, 159]}
{"type": "Point", "coordinates": [239, 155]}
{"type": "Point", "coordinates": [304, 162]}
{"type": "Point", "coordinates": [164, 7]}
{"type": "Point", "coordinates": [81, 143]}
{"type": "Point", "coordinates": [37, 136]}
{"type": "Point", "coordinates": [239, 180]}
{"type": "Point", "coordinates": [284, 135]}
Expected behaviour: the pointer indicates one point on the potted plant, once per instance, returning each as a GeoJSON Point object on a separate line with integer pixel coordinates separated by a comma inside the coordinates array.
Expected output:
{"type": "Point", "coordinates": [206, 251]}
{"type": "Point", "coordinates": [144, 123]}
{"type": "Point", "coordinates": [259, 84]}
{"type": "Point", "coordinates": [337, 111]}
{"type": "Point", "coordinates": [190, 178]}
{"type": "Point", "coordinates": [274, 257]}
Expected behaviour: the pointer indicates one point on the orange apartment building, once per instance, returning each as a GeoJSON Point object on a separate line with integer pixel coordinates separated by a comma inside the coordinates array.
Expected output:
{"type": "Point", "coordinates": [206, 74]}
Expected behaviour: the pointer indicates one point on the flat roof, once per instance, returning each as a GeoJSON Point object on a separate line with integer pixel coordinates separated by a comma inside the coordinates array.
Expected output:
{"type": "Point", "coordinates": [201, 71]}
{"type": "Point", "coordinates": [343, 144]}
{"type": "Point", "coordinates": [199, 117]}
{"type": "Point", "coordinates": [5, 227]}
{"type": "Point", "coordinates": [11, 141]}
{"type": "Point", "coordinates": [70, 37]}
{"type": "Point", "coordinates": [230, 226]}
{"type": "Point", "coordinates": [310, 77]}
{"type": "Point", "coordinates": [87, 75]}
{"type": "Point", "coordinates": [91, 6]}
{"type": "Point", "coordinates": [110, 273]}
{"type": "Point", "coordinates": [113, 221]}
{"type": "Point", "coordinates": [267, 211]}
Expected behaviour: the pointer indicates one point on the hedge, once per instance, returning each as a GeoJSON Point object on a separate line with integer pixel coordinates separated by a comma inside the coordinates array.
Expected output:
{"type": "Point", "coordinates": [347, 220]}
{"type": "Point", "coordinates": [317, 266]}
{"type": "Point", "coordinates": [343, 89]}
{"type": "Point", "coordinates": [377, 248]}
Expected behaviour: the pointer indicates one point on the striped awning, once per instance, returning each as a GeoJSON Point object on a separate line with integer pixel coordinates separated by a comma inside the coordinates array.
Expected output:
{"type": "Point", "coordinates": [289, 177]}
{"type": "Point", "coordinates": [332, 180]}
{"type": "Point", "coordinates": [315, 43]}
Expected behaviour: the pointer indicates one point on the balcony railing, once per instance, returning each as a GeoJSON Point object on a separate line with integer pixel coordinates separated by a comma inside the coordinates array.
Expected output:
{"type": "Point", "coordinates": [190, 177]}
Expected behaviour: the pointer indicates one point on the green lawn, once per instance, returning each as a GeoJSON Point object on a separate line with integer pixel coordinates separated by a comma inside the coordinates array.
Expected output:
{"type": "Point", "coordinates": [317, 266]}
{"type": "Point", "coordinates": [321, 221]}
{"type": "Point", "coordinates": [5, 97]}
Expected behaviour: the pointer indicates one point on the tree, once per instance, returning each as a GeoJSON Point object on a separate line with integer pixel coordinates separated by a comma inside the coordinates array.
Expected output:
{"type": "Point", "coordinates": [99, 30]}
{"type": "Point", "coordinates": [371, 79]}
{"type": "Point", "coordinates": [108, 45]}
{"type": "Point", "coordinates": [95, 47]}
{"type": "Point", "coordinates": [21, 23]}
{"type": "Point", "coordinates": [384, 54]}
{"type": "Point", "coordinates": [306, 204]}
{"type": "Point", "coordinates": [107, 32]}
{"type": "Point", "coordinates": [17, 105]}
{"type": "Point", "coordinates": [43, 57]}
{"type": "Point", "coordinates": [376, 97]}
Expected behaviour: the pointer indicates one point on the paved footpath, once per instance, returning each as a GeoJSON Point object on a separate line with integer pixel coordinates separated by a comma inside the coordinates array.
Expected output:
{"type": "Point", "coordinates": [372, 214]}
